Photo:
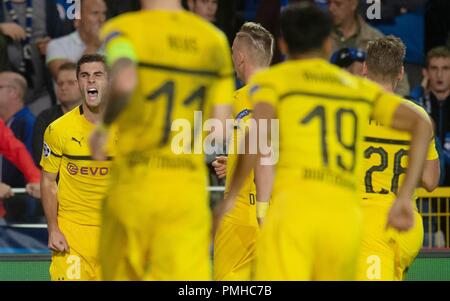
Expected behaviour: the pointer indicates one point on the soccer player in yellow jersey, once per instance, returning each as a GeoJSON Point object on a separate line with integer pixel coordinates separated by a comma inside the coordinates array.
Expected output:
{"type": "Point", "coordinates": [235, 240]}
{"type": "Point", "coordinates": [313, 228]}
{"type": "Point", "coordinates": [156, 219]}
{"type": "Point", "coordinates": [385, 255]}
{"type": "Point", "coordinates": [72, 204]}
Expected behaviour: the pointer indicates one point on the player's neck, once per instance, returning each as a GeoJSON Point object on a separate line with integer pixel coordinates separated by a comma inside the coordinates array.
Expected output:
{"type": "Point", "coordinates": [249, 73]}
{"type": "Point", "coordinates": [67, 107]}
{"type": "Point", "coordinates": [387, 85]}
{"type": "Point", "coordinates": [161, 5]}
{"type": "Point", "coordinates": [92, 115]}
{"type": "Point", "coordinates": [315, 54]}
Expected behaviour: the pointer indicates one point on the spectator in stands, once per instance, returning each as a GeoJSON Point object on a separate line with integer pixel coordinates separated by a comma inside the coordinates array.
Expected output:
{"type": "Point", "coordinates": [206, 9]}
{"type": "Point", "coordinates": [268, 15]}
{"type": "Point", "coordinates": [351, 59]}
{"type": "Point", "coordinates": [27, 38]}
{"type": "Point", "coordinates": [85, 40]}
{"type": "Point", "coordinates": [69, 96]}
{"type": "Point", "coordinates": [14, 150]}
{"type": "Point", "coordinates": [350, 30]}
{"type": "Point", "coordinates": [436, 101]}
{"type": "Point", "coordinates": [20, 120]}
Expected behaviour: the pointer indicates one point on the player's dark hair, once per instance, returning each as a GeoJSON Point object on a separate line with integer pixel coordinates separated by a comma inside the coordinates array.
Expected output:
{"type": "Point", "coordinates": [305, 27]}
{"type": "Point", "coordinates": [91, 58]}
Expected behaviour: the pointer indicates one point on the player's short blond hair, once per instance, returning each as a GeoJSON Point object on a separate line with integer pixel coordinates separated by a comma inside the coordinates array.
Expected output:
{"type": "Point", "coordinates": [259, 40]}
{"type": "Point", "coordinates": [385, 57]}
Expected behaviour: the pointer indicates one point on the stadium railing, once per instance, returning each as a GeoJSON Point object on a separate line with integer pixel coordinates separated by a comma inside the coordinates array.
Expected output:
{"type": "Point", "coordinates": [435, 210]}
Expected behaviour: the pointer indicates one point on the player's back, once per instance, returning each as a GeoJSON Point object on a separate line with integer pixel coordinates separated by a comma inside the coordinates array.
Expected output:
{"type": "Point", "coordinates": [386, 160]}
{"type": "Point", "coordinates": [323, 112]}
{"type": "Point", "coordinates": [180, 58]}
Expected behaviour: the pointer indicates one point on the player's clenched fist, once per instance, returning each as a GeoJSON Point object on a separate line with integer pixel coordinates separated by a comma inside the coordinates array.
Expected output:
{"type": "Point", "coordinates": [401, 216]}
{"type": "Point", "coordinates": [220, 166]}
{"type": "Point", "coordinates": [97, 143]}
{"type": "Point", "coordinates": [57, 242]}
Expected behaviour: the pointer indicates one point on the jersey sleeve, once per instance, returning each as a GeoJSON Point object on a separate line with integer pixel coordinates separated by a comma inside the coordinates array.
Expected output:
{"type": "Point", "coordinates": [222, 89]}
{"type": "Point", "coordinates": [432, 151]}
{"type": "Point", "coordinates": [52, 150]}
{"type": "Point", "coordinates": [261, 90]}
{"type": "Point", "coordinates": [384, 107]}
{"type": "Point", "coordinates": [117, 45]}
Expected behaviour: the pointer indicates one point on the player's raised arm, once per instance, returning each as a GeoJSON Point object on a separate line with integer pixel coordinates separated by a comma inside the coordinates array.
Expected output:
{"type": "Point", "coordinates": [431, 171]}
{"type": "Point", "coordinates": [121, 58]}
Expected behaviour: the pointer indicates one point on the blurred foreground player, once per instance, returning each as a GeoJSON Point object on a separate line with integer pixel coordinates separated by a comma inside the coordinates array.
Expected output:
{"type": "Point", "coordinates": [313, 228]}
{"type": "Point", "coordinates": [72, 204]}
{"type": "Point", "coordinates": [386, 254]}
{"type": "Point", "coordinates": [157, 221]}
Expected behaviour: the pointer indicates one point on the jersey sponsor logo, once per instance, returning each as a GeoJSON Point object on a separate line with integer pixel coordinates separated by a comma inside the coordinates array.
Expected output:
{"type": "Point", "coordinates": [73, 170]}
{"type": "Point", "coordinates": [76, 140]}
{"type": "Point", "coordinates": [46, 151]}
{"type": "Point", "coordinates": [242, 114]}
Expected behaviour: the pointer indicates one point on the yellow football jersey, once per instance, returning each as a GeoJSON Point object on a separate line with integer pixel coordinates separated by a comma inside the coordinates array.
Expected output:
{"type": "Point", "coordinates": [323, 113]}
{"type": "Point", "coordinates": [82, 181]}
{"type": "Point", "coordinates": [386, 160]}
{"type": "Point", "coordinates": [180, 72]}
{"type": "Point", "coordinates": [244, 210]}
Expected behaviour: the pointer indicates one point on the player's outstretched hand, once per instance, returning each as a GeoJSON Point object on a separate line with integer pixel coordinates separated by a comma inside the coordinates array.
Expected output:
{"type": "Point", "coordinates": [97, 143]}
{"type": "Point", "coordinates": [5, 191]}
{"type": "Point", "coordinates": [220, 166]}
{"type": "Point", "coordinates": [34, 189]}
{"type": "Point", "coordinates": [57, 242]}
{"type": "Point", "coordinates": [401, 215]}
